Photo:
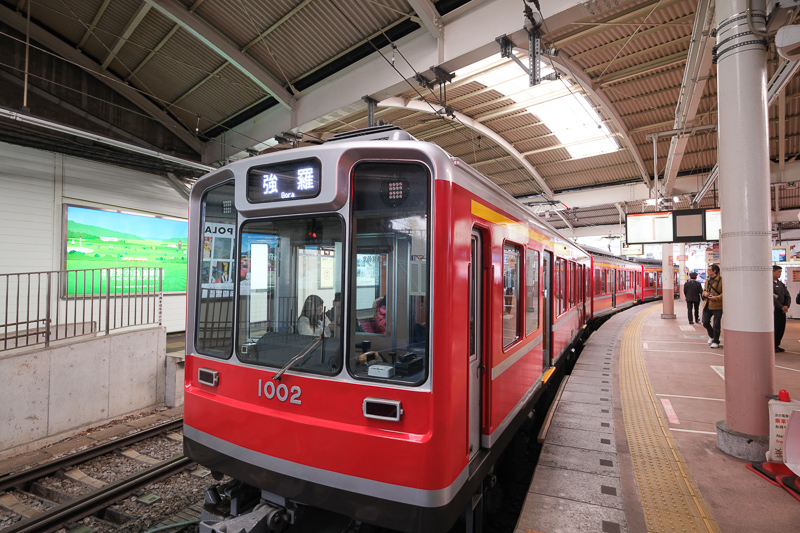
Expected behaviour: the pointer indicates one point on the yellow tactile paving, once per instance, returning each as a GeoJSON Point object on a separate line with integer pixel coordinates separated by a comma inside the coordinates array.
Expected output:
{"type": "Point", "coordinates": [670, 498]}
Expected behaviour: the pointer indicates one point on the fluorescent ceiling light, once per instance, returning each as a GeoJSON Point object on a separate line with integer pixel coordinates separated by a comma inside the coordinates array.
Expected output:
{"type": "Point", "coordinates": [569, 115]}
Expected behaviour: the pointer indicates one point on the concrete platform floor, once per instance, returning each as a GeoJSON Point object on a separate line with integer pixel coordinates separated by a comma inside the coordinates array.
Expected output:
{"type": "Point", "coordinates": [589, 477]}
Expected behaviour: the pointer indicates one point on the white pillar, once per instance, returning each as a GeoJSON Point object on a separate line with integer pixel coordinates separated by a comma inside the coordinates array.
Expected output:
{"type": "Point", "coordinates": [745, 236]}
{"type": "Point", "coordinates": [681, 269]}
{"type": "Point", "coordinates": [667, 282]}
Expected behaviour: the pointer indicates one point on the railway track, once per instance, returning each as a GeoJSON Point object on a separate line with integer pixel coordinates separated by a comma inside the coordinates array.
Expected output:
{"type": "Point", "coordinates": [88, 504]}
{"type": "Point", "coordinates": [91, 503]}
{"type": "Point", "coordinates": [14, 479]}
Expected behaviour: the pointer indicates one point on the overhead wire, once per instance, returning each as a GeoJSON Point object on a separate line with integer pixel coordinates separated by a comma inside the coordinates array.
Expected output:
{"type": "Point", "coordinates": [162, 54]}
{"type": "Point", "coordinates": [150, 117]}
{"type": "Point", "coordinates": [417, 73]}
{"type": "Point", "coordinates": [593, 118]}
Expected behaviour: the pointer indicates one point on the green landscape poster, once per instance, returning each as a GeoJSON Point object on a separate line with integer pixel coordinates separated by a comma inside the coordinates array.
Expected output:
{"type": "Point", "coordinates": [135, 246]}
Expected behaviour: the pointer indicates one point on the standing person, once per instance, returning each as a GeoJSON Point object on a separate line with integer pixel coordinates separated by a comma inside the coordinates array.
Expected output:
{"type": "Point", "coordinates": [692, 290]}
{"type": "Point", "coordinates": [712, 294]}
{"type": "Point", "coordinates": [781, 302]}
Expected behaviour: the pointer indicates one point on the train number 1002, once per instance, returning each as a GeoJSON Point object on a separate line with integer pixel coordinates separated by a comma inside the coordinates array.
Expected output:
{"type": "Point", "coordinates": [281, 392]}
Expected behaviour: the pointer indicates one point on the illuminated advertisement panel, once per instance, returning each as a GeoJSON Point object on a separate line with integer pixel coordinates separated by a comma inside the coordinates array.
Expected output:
{"type": "Point", "coordinates": [102, 239]}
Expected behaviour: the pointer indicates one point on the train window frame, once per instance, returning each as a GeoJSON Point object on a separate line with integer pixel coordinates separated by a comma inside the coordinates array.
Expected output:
{"type": "Point", "coordinates": [532, 290]}
{"type": "Point", "coordinates": [598, 281]}
{"type": "Point", "coordinates": [198, 311]}
{"type": "Point", "coordinates": [335, 361]}
{"type": "Point", "coordinates": [515, 249]}
{"type": "Point", "coordinates": [382, 361]}
{"type": "Point", "coordinates": [571, 288]}
{"type": "Point", "coordinates": [561, 285]}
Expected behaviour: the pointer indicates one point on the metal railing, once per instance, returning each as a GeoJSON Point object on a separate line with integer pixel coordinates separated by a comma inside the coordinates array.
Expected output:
{"type": "Point", "coordinates": [42, 307]}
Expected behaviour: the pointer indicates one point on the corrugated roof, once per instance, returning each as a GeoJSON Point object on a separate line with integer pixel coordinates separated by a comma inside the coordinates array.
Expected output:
{"type": "Point", "coordinates": [633, 52]}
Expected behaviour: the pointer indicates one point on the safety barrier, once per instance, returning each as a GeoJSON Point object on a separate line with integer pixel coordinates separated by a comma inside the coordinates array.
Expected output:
{"type": "Point", "coordinates": [42, 307]}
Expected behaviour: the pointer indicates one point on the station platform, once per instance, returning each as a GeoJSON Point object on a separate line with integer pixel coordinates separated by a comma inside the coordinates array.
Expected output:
{"type": "Point", "coordinates": [632, 443]}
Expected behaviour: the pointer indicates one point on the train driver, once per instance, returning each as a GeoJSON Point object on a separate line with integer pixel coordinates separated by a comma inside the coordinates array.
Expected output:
{"type": "Point", "coordinates": [312, 320]}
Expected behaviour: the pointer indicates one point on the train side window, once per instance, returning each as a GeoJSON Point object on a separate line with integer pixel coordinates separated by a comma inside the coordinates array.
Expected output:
{"type": "Point", "coordinates": [214, 334]}
{"type": "Point", "coordinates": [598, 282]}
{"type": "Point", "coordinates": [511, 277]}
{"type": "Point", "coordinates": [388, 313]}
{"type": "Point", "coordinates": [561, 282]}
{"type": "Point", "coordinates": [531, 291]}
{"type": "Point", "coordinates": [572, 288]}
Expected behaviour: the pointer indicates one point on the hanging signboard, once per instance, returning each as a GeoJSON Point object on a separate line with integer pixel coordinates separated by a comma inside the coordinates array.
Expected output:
{"type": "Point", "coordinates": [686, 225]}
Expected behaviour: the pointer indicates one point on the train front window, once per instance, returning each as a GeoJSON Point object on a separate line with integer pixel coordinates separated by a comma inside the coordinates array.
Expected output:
{"type": "Point", "coordinates": [388, 306]}
{"type": "Point", "coordinates": [290, 278]}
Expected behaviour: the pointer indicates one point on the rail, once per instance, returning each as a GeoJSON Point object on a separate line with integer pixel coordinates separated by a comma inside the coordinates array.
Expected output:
{"type": "Point", "coordinates": [41, 307]}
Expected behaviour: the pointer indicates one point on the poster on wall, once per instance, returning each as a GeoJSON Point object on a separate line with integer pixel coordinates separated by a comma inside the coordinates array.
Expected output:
{"type": "Point", "coordinates": [100, 239]}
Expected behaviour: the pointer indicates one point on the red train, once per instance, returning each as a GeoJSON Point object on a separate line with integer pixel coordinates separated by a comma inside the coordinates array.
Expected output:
{"type": "Point", "coordinates": [371, 321]}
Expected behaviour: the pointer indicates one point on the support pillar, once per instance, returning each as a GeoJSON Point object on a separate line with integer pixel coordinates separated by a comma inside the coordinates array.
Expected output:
{"type": "Point", "coordinates": [747, 326]}
{"type": "Point", "coordinates": [667, 282]}
{"type": "Point", "coordinates": [681, 269]}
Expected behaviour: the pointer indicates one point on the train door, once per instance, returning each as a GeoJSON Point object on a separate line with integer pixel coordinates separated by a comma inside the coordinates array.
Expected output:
{"type": "Point", "coordinates": [655, 284]}
{"type": "Point", "coordinates": [613, 288]}
{"type": "Point", "coordinates": [475, 342]}
{"type": "Point", "coordinates": [547, 308]}
{"type": "Point", "coordinates": [580, 276]}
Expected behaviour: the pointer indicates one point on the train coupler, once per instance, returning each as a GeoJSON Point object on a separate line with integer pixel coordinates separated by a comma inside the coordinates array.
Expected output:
{"type": "Point", "coordinates": [263, 518]}
{"type": "Point", "coordinates": [240, 508]}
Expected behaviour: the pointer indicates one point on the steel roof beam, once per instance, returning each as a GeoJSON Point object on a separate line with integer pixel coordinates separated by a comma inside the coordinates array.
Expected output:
{"type": "Point", "coordinates": [93, 24]}
{"type": "Point", "coordinates": [783, 74]}
{"type": "Point", "coordinates": [635, 36]}
{"type": "Point", "coordinates": [33, 89]}
{"type": "Point", "coordinates": [211, 38]}
{"type": "Point", "coordinates": [632, 13]}
{"type": "Point", "coordinates": [162, 42]}
{"type": "Point", "coordinates": [129, 29]}
{"type": "Point", "coordinates": [470, 37]}
{"type": "Point", "coordinates": [640, 70]}
{"type": "Point", "coordinates": [695, 77]}
{"type": "Point", "coordinates": [430, 17]}
{"type": "Point", "coordinates": [48, 40]}
{"type": "Point", "coordinates": [483, 130]}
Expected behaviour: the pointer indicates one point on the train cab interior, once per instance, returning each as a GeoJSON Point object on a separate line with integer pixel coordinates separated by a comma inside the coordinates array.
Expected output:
{"type": "Point", "coordinates": [295, 302]}
{"type": "Point", "coordinates": [389, 278]}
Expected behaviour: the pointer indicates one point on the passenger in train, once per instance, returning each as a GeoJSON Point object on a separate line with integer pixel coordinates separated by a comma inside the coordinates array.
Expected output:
{"type": "Point", "coordinates": [312, 320]}
{"type": "Point", "coordinates": [781, 301]}
{"type": "Point", "coordinates": [379, 315]}
{"type": "Point", "coordinates": [691, 291]}
{"type": "Point", "coordinates": [712, 294]}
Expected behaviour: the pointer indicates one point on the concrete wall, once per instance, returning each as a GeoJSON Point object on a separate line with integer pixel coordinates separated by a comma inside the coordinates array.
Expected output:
{"type": "Point", "coordinates": [47, 393]}
{"type": "Point", "coordinates": [35, 187]}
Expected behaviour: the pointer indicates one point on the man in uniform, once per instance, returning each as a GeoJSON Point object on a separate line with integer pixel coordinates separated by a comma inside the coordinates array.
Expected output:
{"type": "Point", "coordinates": [691, 291]}
{"type": "Point", "coordinates": [781, 302]}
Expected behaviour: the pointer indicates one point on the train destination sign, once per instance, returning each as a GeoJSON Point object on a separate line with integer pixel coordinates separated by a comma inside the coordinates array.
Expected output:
{"type": "Point", "coordinates": [284, 181]}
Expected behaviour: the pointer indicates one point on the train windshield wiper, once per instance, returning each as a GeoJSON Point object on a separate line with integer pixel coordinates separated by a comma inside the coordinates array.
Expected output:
{"type": "Point", "coordinates": [307, 350]}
